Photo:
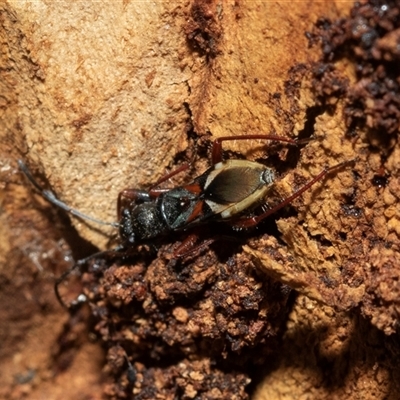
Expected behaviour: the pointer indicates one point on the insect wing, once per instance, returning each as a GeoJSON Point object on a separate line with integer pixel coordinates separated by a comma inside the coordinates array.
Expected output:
{"type": "Point", "coordinates": [236, 185]}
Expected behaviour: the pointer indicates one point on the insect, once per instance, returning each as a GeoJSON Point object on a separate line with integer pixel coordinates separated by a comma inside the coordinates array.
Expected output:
{"type": "Point", "coordinates": [228, 192]}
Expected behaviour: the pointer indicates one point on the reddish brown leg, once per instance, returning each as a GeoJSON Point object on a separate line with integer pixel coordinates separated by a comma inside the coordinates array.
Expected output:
{"type": "Point", "coordinates": [216, 155]}
{"type": "Point", "coordinates": [143, 196]}
{"type": "Point", "coordinates": [253, 221]}
{"type": "Point", "coordinates": [164, 178]}
{"type": "Point", "coordinates": [186, 247]}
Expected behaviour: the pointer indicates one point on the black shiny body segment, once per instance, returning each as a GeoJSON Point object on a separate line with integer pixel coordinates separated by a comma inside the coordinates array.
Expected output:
{"type": "Point", "coordinates": [155, 218]}
{"type": "Point", "coordinates": [169, 212]}
{"type": "Point", "coordinates": [141, 222]}
{"type": "Point", "coordinates": [176, 207]}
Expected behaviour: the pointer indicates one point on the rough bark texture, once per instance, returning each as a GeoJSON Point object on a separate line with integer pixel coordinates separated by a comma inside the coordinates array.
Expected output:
{"type": "Point", "coordinates": [101, 96]}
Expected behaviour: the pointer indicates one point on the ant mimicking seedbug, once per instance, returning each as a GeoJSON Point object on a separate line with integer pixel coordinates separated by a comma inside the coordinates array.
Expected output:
{"type": "Point", "coordinates": [225, 192]}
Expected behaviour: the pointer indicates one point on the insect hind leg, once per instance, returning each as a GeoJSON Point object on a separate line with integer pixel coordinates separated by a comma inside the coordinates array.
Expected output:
{"type": "Point", "coordinates": [253, 221]}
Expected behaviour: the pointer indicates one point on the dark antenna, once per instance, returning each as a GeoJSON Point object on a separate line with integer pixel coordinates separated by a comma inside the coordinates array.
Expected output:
{"type": "Point", "coordinates": [51, 197]}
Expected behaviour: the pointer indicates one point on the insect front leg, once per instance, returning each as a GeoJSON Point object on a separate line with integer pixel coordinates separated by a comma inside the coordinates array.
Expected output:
{"type": "Point", "coordinates": [164, 178]}
{"type": "Point", "coordinates": [145, 196]}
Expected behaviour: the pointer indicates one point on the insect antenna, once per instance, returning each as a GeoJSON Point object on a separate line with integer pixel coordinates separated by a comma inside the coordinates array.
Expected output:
{"type": "Point", "coordinates": [51, 197]}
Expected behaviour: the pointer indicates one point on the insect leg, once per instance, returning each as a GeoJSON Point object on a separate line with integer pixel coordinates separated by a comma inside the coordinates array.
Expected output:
{"type": "Point", "coordinates": [164, 178]}
{"type": "Point", "coordinates": [253, 221]}
{"type": "Point", "coordinates": [143, 196]}
{"type": "Point", "coordinates": [187, 246]}
{"type": "Point", "coordinates": [131, 371]}
{"type": "Point", "coordinates": [216, 154]}
{"type": "Point", "coordinates": [77, 266]}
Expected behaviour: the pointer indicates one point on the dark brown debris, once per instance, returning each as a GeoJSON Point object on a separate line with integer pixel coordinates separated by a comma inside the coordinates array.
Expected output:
{"type": "Point", "coordinates": [186, 325]}
{"type": "Point", "coordinates": [370, 38]}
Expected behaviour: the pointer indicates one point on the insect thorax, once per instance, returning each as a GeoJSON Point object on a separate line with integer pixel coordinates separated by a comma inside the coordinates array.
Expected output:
{"type": "Point", "coordinates": [142, 223]}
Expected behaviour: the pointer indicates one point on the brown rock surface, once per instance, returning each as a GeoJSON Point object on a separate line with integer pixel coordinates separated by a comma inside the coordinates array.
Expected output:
{"type": "Point", "coordinates": [97, 97]}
